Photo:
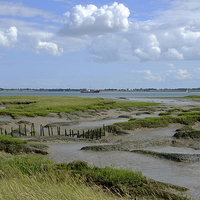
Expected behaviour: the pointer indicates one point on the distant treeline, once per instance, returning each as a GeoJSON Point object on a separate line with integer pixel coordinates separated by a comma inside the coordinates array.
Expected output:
{"type": "Point", "coordinates": [110, 89]}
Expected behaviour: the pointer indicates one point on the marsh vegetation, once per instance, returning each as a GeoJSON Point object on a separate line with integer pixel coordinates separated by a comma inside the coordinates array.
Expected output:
{"type": "Point", "coordinates": [43, 105]}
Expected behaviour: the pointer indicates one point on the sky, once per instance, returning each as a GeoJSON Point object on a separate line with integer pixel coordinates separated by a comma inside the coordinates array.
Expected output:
{"type": "Point", "coordinates": [99, 44]}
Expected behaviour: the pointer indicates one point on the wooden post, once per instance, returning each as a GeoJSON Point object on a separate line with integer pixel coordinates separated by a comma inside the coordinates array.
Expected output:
{"type": "Point", "coordinates": [92, 136]}
{"type": "Point", "coordinates": [19, 129]}
{"type": "Point", "coordinates": [100, 134]}
{"type": "Point", "coordinates": [6, 133]}
{"type": "Point", "coordinates": [97, 135]}
{"type": "Point", "coordinates": [25, 130]}
{"type": "Point", "coordinates": [72, 133]}
{"type": "Point", "coordinates": [1, 131]}
{"type": "Point", "coordinates": [83, 134]}
{"type": "Point", "coordinates": [51, 130]}
{"type": "Point", "coordinates": [40, 130]}
{"type": "Point", "coordinates": [33, 129]}
{"type": "Point", "coordinates": [58, 130]}
{"type": "Point", "coordinates": [78, 134]}
{"type": "Point", "coordinates": [12, 131]}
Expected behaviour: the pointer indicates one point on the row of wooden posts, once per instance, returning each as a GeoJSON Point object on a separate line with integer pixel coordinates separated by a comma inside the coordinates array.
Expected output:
{"type": "Point", "coordinates": [89, 134]}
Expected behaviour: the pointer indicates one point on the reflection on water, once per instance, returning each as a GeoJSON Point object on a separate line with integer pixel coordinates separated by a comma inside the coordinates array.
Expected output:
{"type": "Point", "coordinates": [183, 174]}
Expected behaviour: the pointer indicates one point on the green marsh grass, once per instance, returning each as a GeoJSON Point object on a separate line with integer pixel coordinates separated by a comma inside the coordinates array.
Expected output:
{"type": "Point", "coordinates": [186, 118]}
{"type": "Point", "coordinates": [43, 105]}
{"type": "Point", "coordinates": [28, 177]}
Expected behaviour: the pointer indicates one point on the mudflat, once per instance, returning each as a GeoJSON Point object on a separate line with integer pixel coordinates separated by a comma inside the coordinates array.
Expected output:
{"type": "Point", "coordinates": [154, 151]}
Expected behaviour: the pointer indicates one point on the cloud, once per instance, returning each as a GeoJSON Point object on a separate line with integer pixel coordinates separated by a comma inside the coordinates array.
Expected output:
{"type": "Point", "coordinates": [18, 9]}
{"type": "Point", "coordinates": [109, 48]}
{"type": "Point", "coordinates": [180, 74]}
{"type": "Point", "coordinates": [50, 48]}
{"type": "Point", "coordinates": [9, 38]}
{"type": "Point", "coordinates": [174, 54]}
{"type": "Point", "coordinates": [183, 74]}
{"type": "Point", "coordinates": [148, 75]}
{"type": "Point", "coordinates": [92, 20]}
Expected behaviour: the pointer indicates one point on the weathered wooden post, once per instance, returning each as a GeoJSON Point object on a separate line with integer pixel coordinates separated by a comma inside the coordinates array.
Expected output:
{"type": "Point", "coordinates": [19, 130]}
{"type": "Point", "coordinates": [51, 130]}
{"type": "Point", "coordinates": [6, 133]}
{"type": "Point", "coordinates": [92, 136]}
{"type": "Point", "coordinates": [72, 133]}
{"type": "Point", "coordinates": [25, 130]}
{"type": "Point", "coordinates": [32, 129]}
{"type": "Point", "coordinates": [12, 131]}
{"type": "Point", "coordinates": [78, 134]}
{"type": "Point", "coordinates": [58, 130]}
{"type": "Point", "coordinates": [97, 135]}
{"type": "Point", "coordinates": [88, 133]}
{"type": "Point", "coordinates": [65, 132]}
{"type": "Point", "coordinates": [40, 130]}
{"type": "Point", "coordinates": [83, 134]}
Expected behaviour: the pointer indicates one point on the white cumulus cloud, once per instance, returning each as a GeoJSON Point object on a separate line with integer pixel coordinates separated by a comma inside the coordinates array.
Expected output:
{"type": "Point", "coordinates": [180, 74]}
{"type": "Point", "coordinates": [183, 74]}
{"type": "Point", "coordinates": [92, 20]}
{"type": "Point", "coordinates": [148, 75]}
{"type": "Point", "coordinates": [50, 48]}
{"type": "Point", "coordinates": [8, 38]}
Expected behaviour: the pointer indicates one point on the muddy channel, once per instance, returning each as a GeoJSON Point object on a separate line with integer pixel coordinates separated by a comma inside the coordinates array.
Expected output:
{"type": "Point", "coordinates": [184, 174]}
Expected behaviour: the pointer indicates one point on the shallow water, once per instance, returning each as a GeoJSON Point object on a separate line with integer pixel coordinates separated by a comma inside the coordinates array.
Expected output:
{"type": "Point", "coordinates": [183, 174]}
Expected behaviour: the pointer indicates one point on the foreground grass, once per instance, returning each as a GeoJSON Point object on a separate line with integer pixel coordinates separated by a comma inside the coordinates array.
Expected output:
{"type": "Point", "coordinates": [44, 185]}
{"type": "Point", "coordinates": [43, 105]}
{"type": "Point", "coordinates": [28, 177]}
{"type": "Point", "coordinates": [32, 177]}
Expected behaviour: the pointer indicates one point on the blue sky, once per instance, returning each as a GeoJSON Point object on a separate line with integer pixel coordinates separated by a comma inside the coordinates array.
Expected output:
{"type": "Point", "coordinates": [99, 44]}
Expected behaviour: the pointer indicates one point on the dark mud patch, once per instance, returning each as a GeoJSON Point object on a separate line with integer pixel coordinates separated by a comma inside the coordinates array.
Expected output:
{"type": "Point", "coordinates": [187, 132]}
{"type": "Point", "coordinates": [177, 157]}
{"type": "Point", "coordinates": [2, 123]}
{"type": "Point", "coordinates": [129, 146]}
{"type": "Point", "coordinates": [57, 124]}
{"type": "Point", "coordinates": [21, 148]}
{"type": "Point", "coordinates": [24, 122]}
{"type": "Point", "coordinates": [125, 116]}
